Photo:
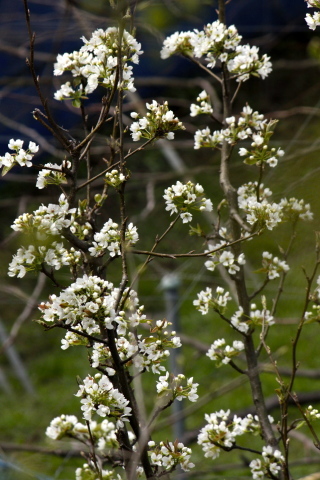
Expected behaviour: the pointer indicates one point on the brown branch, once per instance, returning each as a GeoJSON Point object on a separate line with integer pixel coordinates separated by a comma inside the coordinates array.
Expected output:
{"type": "Point", "coordinates": [243, 298]}
{"type": "Point", "coordinates": [78, 332]}
{"type": "Point", "coordinates": [191, 254]}
{"type": "Point", "coordinates": [13, 447]}
{"type": "Point", "coordinates": [31, 303]}
{"type": "Point", "coordinates": [30, 62]}
{"type": "Point", "coordinates": [294, 397]}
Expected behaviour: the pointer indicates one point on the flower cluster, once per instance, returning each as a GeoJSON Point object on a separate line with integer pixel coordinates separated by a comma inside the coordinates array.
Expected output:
{"type": "Point", "coordinates": [181, 198]}
{"type": "Point", "coordinates": [257, 317]}
{"type": "Point", "coordinates": [263, 214]}
{"type": "Point", "coordinates": [250, 125]}
{"type": "Point", "coordinates": [81, 229]}
{"type": "Point", "coordinates": [146, 353]}
{"type": "Point", "coordinates": [260, 317]}
{"type": "Point", "coordinates": [313, 20]}
{"type": "Point", "coordinates": [221, 432]}
{"type": "Point", "coordinates": [108, 239]}
{"type": "Point", "coordinates": [239, 322]}
{"type": "Point", "coordinates": [273, 266]}
{"type": "Point", "coordinates": [114, 178]}
{"type": "Point", "coordinates": [32, 258]}
{"type": "Point", "coordinates": [20, 156]}
{"type": "Point", "coordinates": [96, 63]}
{"type": "Point", "coordinates": [53, 174]}
{"type": "Point", "coordinates": [212, 41]}
{"type": "Point", "coordinates": [90, 303]}
{"type": "Point", "coordinates": [62, 426]}
{"type": "Point", "coordinates": [313, 3]}
{"type": "Point", "coordinates": [101, 355]}
{"type": "Point", "coordinates": [89, 472]}
{"type": "Point", "coordinates": [104, 434]}
{"type": "Point", "coordinates": [314, 315]}
{"type": "Point", "coordinates": [173, 386]}
{"type": "Point", "coordinates": [72, 339]}
{"type": "Point", "coordinates": [168, 455]}
{"type": "Point", "coordinates": [294, 209]}
{"type": "Point", "coordinates": [223, 257]}
{"type": "Point", "coordinates": [217, 42]}
{"type": "Point", "coordinates": [153, 349]}
{"type": "Point", "coordinates": [49, 219]}
{"type": "Point", "coordinates": [246, 62]}
{"type": "Point", "coordinates": [260, 213]}
{"type": "Point", "coordinates": [270, 464]}
{"type": "Point", "coordinates": [222, 353]}
{"type": "Point", "coordinates": [312, 413]}
{"type": "Point", "coordinates": [251, 190]}
{"type": "Point", "coordinates": [204, 105]}
{"type": "Point", "coordinates": [159, 122]}
{"type": "Point", "coordinates": [218, 303]}
{"type": "Point", "coordinates": [98, 396]}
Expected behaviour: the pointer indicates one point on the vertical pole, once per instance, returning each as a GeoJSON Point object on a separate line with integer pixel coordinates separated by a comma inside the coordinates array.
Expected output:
{"type": "Point", "coordinates": [170, 284]}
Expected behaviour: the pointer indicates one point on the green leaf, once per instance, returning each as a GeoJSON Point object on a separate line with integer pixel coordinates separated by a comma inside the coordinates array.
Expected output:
{"type": "Point", "coordinates": [83, 205]}
{"type": "Point", "coordinates": [77, 81]}
{"type": "Point", "coordinates": [5, 170]}
{"type": "Point", "coordinates": [76, 102]}
{"type": "Point", "coordinates": [249, 161]}
{"type": "Point", "coordinates": [196, 231]}
{"type": "Point", "coordinates": [164, 393]}
{"type": "Point", "coordinates": [300, 424]}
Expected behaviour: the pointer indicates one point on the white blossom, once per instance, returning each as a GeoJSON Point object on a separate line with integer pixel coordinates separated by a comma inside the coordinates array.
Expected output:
{"type": "Point", "coordinates": [249, 125]}
{"type": "Point", "coordinates": [238, 322]}
{"type": "Point", "coordinates": [89, 304]}
{"type": "Point", "coordinates": [159, 122]}
{"type": "Point", "coordinates": [168, 455]}
{"type": "Point", "coordinates": [271, 462]}
{"type": "Point", "coordinates": [114, 178]}
{"type": "Point", "coordinates": [53, 173]}
{"type": "Point", "coordinates": [88, 472]}
{"type": "Point", "coordinates": [98, 396]}
{"type": "Point", "coordinates": [20, 156]}
{"type": "Point", "coordinates": [222, 353]}
{"type": "Point", "coordinates": [217, 42]}
{"type": "Point", "coordinates": [32, 258]}
{"type": "Point", "coordinates": [49, 219]}
{"type": "Point", "coordinates": [154, 349]}
{"type": "Point", "coordinates": [96, 63]}
{"type": "Point", "coordinates": [313, 21]}
{"type": "Point", "coordinates": [204, 105]}
{"type": "Point", "coordinates": [61, 426]}
{"type": "Point", "coordinates": [181, 198]}
{"type": "Point", "coordinates": [312, 413]}
{"type": "Point", "coordinates": [177, 43]}
{"type": "Point", "coordinates": [294, 209]}
{"type": "Point", "coordinates": [173, 385]}
{"type": "Point", "coordinates": [224, 257]}
{"type": "Point", "coordinates": [206, 300]}
{"type": "Point", "coordinates": [246, 61]}
{"type": "Point", "coordinates": [109, 239]}
{"type": "Point", "coordinates": [260, 317]}
{"type": "Point", "coordinates": [262, 214]}
{"type": "Point", "coordinates": [273, 266]}
{"type": "Point", "coordinates": [221, 431]}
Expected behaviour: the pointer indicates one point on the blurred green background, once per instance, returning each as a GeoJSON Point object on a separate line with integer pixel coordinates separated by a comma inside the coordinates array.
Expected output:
{"type": "Point", "coordinates": [290, 94]}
